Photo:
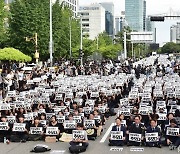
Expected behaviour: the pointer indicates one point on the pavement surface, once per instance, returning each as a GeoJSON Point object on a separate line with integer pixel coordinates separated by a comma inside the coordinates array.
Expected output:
{"type": "Point", "coordinates": [99, 146]}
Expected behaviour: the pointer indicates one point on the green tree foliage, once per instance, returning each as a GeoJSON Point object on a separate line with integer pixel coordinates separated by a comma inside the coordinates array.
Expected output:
{"type": "Point", "coordinates": [170, 48]}
{"type": "Point", "coordinates": [12, 54]}
{"type": "Point", "coordinates": [3, 15]}
{"type": "Point", "coordinates": [31, 16]}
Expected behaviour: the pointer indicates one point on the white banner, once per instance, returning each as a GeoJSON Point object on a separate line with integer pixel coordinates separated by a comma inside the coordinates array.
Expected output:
{"type": "Point", "coordinates": [3, 125]}
{"type": "Point", "coordinates": [152, 137]}
{"type": "Point", "coordinates": [172, 131]}
{"type": "Point", "coordinates": [36, 130]}
{"type": "Point", "coordinates": [78, 134]}
{"type": "Point", "coordinates": [69, 124]}
{"type": "Point", "coordinates": [89, 123]}
{"type": "Point", "coordinates": [11, 119]}
{"type": "Point", "coordinates": [116, 135]}
{"type": "Point", "coordinates": [19, 127]}
{"type": "Point", "coordinates": [135, 137]}
{"type": "Point", "coordinates": [52, 131]}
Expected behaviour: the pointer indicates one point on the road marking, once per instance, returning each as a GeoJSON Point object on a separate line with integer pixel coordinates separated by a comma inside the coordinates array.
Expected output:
{"type": "Point", "coordinates": [107, 133]}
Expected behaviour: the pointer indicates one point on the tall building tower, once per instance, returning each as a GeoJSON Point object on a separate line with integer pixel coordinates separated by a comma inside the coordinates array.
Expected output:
{"type": "Point", "coordinates": [72, 4]}
{"type": "Point", "coordinates": [109, 15]}
{"type": "Point", "coordinates": [93, 20]}
{"type": "Point", "coordinates": [135, 13]}
{"type": "Point", "coordinates": [175, 33]}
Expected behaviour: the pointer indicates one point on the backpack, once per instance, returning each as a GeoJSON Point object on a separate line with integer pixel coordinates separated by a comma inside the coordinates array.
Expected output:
{"type": "Point", "coordinates": [40, 148]}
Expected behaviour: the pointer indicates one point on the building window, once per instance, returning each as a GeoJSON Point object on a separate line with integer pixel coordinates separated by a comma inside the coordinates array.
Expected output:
{"type": "Point", "coordinates": [85, 19]}
{"type": "Point", "coordinates": [85, 25]}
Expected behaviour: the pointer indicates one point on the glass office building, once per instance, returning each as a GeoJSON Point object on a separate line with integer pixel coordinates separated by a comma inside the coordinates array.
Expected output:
{"type": "Point", "coordinates": [135, 13]}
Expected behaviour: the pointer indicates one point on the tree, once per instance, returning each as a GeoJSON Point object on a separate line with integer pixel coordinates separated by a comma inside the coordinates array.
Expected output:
{"type": "Point", "coordinates": [12, 54]}
{"type": "Point", "coordinates": [3, 15]}
{"type": "Point", "coordinates": [170, 47]}
{"type": "Point", "coordinates": [31, 16]}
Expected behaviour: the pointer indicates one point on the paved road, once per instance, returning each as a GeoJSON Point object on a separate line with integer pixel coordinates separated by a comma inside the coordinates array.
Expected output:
{"type": "Point", "coordinates": [94, 147]}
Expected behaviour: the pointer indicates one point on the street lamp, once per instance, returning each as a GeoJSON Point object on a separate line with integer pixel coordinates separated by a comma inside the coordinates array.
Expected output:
{"type": "Point", "coordinates": [70, 38]}
{"type": "Point", "coordinates": [81, 42]}
{"type": "Point", "coordinates": [36, 55]}
{"type": "Point", "coordinates": [51, 39]}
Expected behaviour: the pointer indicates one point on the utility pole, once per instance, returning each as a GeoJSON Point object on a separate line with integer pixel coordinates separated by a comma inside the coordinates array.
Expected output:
{"type": "Point", "coordinates": [70, 39]}
{"type": "Point", "coordinates": [81, 42]}
{"type": "Point", "coordinates": [125, 48]}
{"type": "Point", "coordinates": [51, 39]}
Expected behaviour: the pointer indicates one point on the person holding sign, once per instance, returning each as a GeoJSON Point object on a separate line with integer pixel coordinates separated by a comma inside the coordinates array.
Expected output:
{"type": "Point", "coordinates": [36, 130]}
{"type": "Point", "coordinates": [80, 140]}
{"type": "Point", "coordinates": [153, 135]}
{"type": "Point", "coordinates": [136, 132]}
{"type": "Point", "coordinates": [20, 130]}
{"type": "Point", "coordinates": [54, 123]}
{"type": "Point", "coordinates": [172, 135]}
{"type": "Point", "coordinates": [4, 129]}
{"type": "Point", "coordinates": [118, 134]}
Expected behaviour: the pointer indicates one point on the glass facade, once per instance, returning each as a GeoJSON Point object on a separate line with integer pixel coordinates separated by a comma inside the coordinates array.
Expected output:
{"type": "Point", "coordinates": [109, 17]}
{"type": "Point", "coordinates": [135, 13]}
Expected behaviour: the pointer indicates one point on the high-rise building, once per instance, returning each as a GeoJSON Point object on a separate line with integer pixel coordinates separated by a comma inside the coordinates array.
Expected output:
{"type": "Point", "coordinates": [109, 15]}
{"type": "Point", "coordinates": [120, 23]}
{"type": "Point", "coordinates": [135, 13]}
{"type": "Point", "coordinates": [93, 20]}
{"type": "Point", "coordinates": [72, 4]}
{"type": "Point", "coordinates": [175, 33]}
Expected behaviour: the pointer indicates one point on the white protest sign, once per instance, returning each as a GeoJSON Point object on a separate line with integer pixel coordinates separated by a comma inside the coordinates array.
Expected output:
{"type": "Point", "coordinates": [87, 110]}
{"type": "Point", "coordinates": [49, 115]}
{"type": "Point", "coordinates": [36, 130]}
{"type": "Point", "coordinates": [52, 131]}
{"type": "Point", "coordinates": [97, 118]}
{"type": "Point", "coordinates": [11, 119]}
{"type": "Point", "coordinates": [19, 127]}
{"type": "Point", "coordinates": [116, 149]}
{"type": "Point", "coordinates": [135, 137]}
{"type": "Point", "coordinates": [3, 125]}
{"type": "Point", "coordinates": [4, 106]}
{"type": "Point", "coordinates": [116, 135]}
{"type": "Point", "coordinates": [172, 131]}
{"type": "Point", "coordinates": [69, 124]}
{"type": "Point", "coordinates": [11, 94]}
{"type": "Point", "coordinates": [162, 116]}
{"type": "Point", "coordinates": [60, 119]}
{"type": "Point", "coordinates": [123, 122]}
{"type": "Point", "coordinates": [19, 105]}
{"type": "Point", "coordinates": [89, 123]}
{"type": "Point", "coordinates": [124, 111]}
{"type": "Point", "coordinates": [143, 111]}
{"type": "Point", "coordinates": [152, 137]}
{"type": "Point", "coordinates": [78, 134]}
{"type": "Point", "coordinates": [102, 109]}
{"type": "Point", "coordinates": [77, 119]}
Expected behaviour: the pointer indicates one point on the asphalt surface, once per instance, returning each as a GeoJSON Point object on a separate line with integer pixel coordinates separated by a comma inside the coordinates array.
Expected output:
{"type": "Point", "coordinates": [95, 147]}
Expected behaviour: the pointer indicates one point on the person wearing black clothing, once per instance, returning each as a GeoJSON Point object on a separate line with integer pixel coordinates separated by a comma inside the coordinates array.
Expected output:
{"type": "Point", "coordinates": [40, 136]}
{"type": "Point", "coordinates": [137, 128]}
{"type": "Point", "coordinates": [118, 127]}
{"type": "Point", "coordinates": [172, 140]}
{"type": "Point", "coordinates": [154, 129]}
{"type": "Point", "coordinates": [20, 136]}
{"type": "Point", "coordinates": [5, 133]}
{"type": "Point", "coordinates": [54, 123]}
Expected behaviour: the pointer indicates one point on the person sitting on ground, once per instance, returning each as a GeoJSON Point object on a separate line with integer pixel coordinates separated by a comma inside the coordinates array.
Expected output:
{"type": "Point", "coordinates": [20, 135]}
{"type": "Point", "coordinates": [153, 129]}
{"type": "Point", "coordinates": [5, 133]}
{"type": "Point", "coordinates": [172, 139]}
{"type": "Point", "coordinates": [36, 135]}
{"type": "Point", "coordinates": [78, 145]}
{"type": "Point", "coordinates": [118, 127]}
